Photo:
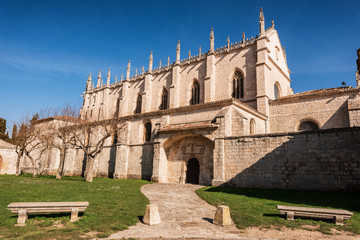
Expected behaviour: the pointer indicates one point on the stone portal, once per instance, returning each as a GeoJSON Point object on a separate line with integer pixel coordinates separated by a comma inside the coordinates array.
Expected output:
{"type": "Point", "coordinates": [192, 171]}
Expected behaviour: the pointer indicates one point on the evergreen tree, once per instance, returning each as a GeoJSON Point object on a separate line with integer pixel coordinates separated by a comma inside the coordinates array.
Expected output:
{"type": "Point", "coordinates": [14, 133]}
{"type": "Point", "coordinates": [2, 128]}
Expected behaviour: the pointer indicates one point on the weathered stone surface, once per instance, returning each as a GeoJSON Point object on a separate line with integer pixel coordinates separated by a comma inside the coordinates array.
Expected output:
{"type": "Point", "coordinates": [222, 216]}
{"type": "Point", "coordinates": [152, 216]}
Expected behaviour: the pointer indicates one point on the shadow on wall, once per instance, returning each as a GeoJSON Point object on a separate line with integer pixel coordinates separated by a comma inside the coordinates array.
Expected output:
{"type": "Point", "coordinates": [320, 199]}
{"type": "Point", "coordinates": [147, 161]}
{"type": "Point", "coordinates": [111, 166]}
{"type": "Point", "coordinates": [340, 118]}
{"type": "Point", "coordinates": [321, 160]}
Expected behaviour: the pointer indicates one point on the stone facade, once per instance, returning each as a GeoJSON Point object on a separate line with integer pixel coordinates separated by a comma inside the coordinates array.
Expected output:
{"type": "Point", "coordinates": [225, 116]}
{"type": "Point", "coordinates": [7, 158]}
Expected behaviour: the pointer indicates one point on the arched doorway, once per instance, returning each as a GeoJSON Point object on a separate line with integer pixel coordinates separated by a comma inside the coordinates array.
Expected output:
{"type": "Point", "coordinates": [193, 171]}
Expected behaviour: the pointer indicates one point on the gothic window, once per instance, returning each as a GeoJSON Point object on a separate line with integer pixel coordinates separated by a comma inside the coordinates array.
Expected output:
{"type": "Point", "coordinates": [195, 93]}
{"type": "Point", "coordinates": [277, 92]}
{"type": "Point", "coordinates": [138, 104]}
{"type": "Point", "coordinates": [238, 85]}
{"type": "Point", "coordinates": [147, 127]}
{"type": "Point", "coordinates": [252, 126]}
{"type": "Point", "coordinates": [164, 100]}
{"type": "Point", "coordinates": [308, 125]}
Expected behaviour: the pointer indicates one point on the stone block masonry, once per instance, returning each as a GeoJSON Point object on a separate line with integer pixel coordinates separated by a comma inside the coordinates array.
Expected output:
{"type": "Point", "coordinates": [321, 160]}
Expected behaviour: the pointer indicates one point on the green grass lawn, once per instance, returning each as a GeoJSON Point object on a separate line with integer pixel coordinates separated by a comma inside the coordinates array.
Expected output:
{"type": "Point", "coordinates": [113, 206]}
{"type": "Point", "coordinates": [257, 207]}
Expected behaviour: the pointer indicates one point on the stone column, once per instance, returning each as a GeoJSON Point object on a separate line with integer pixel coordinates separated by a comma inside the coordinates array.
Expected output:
{"type": "Point", "coordinates": [209, 81]}
{"type": "Point", "coordinates": [175, 87]}
{"type": "Point", "coordinates": [124, 99]}
{"type": "Point", "coordinates": [147, 96]}
{"type": "Point", "coordinates": [121, 162]}
{"type": "Point", "coordinates": [219, 162]}
{"type": "Point", "coordinates": [159, 164]}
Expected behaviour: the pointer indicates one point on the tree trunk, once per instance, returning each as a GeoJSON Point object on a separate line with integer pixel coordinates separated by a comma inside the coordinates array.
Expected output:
{"type": "Point", "coordinates": [90, 169]}
{"type": "Point", "coordinates": [18, 172]}
{"type": "Point", "coordinates": [61, 164]}
{"type": "Point", "coordinates": [34, 166]}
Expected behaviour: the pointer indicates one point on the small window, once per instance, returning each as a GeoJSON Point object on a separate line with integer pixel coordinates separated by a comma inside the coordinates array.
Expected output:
{"type": "Point", "coordinates": [238, 85]}
{"type": "Point", "coordinates": [252, 126]}
{"type": "Point", "coordinates": [164, 100]}
{"type": "Point", "coordinates": [138, 104]}
{"type": "Point", "coordinates": [277, 92]}
{"type": "Point", "coordinates": [147, 127]}
{"type": "Point", "coordinates": [195, 93]}
{"type": "Point", "coordinates": [308, 125]}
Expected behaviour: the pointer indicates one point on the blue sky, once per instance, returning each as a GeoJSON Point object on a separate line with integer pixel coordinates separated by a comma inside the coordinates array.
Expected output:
{"type": "Point", "coordinates": [48, 48]}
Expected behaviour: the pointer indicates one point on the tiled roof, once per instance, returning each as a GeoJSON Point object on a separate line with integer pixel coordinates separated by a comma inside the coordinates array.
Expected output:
{"type": "Point", "coordinates": [188, 126]}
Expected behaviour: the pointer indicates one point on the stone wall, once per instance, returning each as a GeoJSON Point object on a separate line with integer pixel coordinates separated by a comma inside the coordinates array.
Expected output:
{"type": "Point", "coordinates": [323, 160]}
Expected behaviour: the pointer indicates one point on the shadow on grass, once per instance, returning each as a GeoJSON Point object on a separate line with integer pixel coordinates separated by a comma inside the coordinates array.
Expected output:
{"type": "Point", "coordinates": [48, 215]}
{"type": "Point", "coordinates": [339, 200]}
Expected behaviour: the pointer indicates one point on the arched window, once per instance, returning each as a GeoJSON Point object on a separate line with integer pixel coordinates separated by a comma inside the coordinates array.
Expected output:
{"type": "Point", "coordinates": [147, 127]}
{"type": "Point", "coordinates": [308, 125]}
{"type": "Point", "coordinates": [164, 100]}
{"type": "Point", "coordinates": [238, 85]}
{"type": "Point", "coordinates": [138, 104]}
{"type": "Point", "coordinates": [277, 92]}
{"type": "Point", "coordinates": [252, 126]}
{"type": "Point", "coordinates": [195, 93]}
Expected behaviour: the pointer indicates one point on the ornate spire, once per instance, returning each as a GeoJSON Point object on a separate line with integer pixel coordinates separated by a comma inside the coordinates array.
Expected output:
{"type": "Point", "coordinates": [128, 71]}
{"type": "Point", "coordinates": [273, 23]}
{"type": "Point", "coordinates": [142, 70]}
{"type": "Point", "coordinates": [243, 38]}
{"type": "Point", "coordinates": [115, 78]}
{"type": "Point", "coordinates": [88, 83]}
{"type": "Point", "coordinates": [122, 77]}
{"type": "Point", "coordinates": [228, 42]}
{"type": "Point", "coordinates": [178, 52]}
{"type": "Point", "coordinates": [135, 71]}
{"type": "Point", "coordinates": [189, 54]}
{"type": "Point", "coordinates": [200, 50]}
{"type": "Point", "coordinates": [99, 79]}
{"type": "Point", "coordinates": [151, 62]}
{"type": "Point", "coordinates": [212, 40]}
{"type": "Point", "coordinates": [168, 63]}
{"type": "Point", "coordinates": [108, 78]}
{"type": "Point", "coordinates": [262, 22]}
{"type": "Point", "coordinates": [160, 63]}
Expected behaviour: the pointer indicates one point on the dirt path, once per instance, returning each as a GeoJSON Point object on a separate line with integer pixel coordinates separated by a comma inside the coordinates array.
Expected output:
{"type": "Point", "coordinates": [185, 215]}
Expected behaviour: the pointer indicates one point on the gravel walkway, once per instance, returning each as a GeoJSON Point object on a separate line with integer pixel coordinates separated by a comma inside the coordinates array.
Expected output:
{"type": "Point", "coordinates": [183, 215]}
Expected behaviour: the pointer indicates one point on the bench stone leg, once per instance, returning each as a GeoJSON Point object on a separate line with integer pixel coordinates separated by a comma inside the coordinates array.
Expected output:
{"type": "Point", "coordinates": [339, 220]}
{"type": "Point", "coordinates": [290, 216]}
{"type": "Point", "coordinates": [74, 214]}
{"type": "Point", "coordinates": [22, 217]}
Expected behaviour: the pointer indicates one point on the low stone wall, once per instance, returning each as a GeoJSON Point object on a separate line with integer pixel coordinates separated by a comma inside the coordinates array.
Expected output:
{"type": "Point", "coordinates": [325, 160]}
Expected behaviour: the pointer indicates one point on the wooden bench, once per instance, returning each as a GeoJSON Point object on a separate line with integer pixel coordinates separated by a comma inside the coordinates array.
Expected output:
{"type": "Point", "coordinates": [23, 208]}
{"type": "Point", "coordinates": [338, 216]}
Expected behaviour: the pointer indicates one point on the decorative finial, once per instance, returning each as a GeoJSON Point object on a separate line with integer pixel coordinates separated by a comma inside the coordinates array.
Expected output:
{"type": "Point", "coordinates": [212, 40]}
{"type": "Point", "coordinates": [142, 70]}
{"type": "Point", "coordinates": [108, 78]}
{"type": "Point", "coordinates": [122, 77]}
{"type": "Point", "coordinates": [177, 61]}
{"type": "Point", "coordinates": [88, 83]}
{"type": "Point", "coordinates": [160, 63]}
{"type": "Point", "coordinates": [99, 79]}
{"type": "Point", "coordinates": [189, 54]}
{"type": "Point", "coordinates": [200, 50]}
{"type": "Point", "coordinates": [168, 62]}
{"type": "Point", "coordinates": [262, 22]}
{"type": "Point", "coordinates": [243, 37]}
{"type": "Point", "coordinates": [151, 62]}
{"type": "Point", "coordinates": [273, 23]}
{"type": "Point", "coordinates": [135, 71]}
{"type": "Point", "coordinates": [116, 78]}
{"type": "Point", "coordinates": [128, 71]}
{"type": "Point", "coordinates": [228, 42]}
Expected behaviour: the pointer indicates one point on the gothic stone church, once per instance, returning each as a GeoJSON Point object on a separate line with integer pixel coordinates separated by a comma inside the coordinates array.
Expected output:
{"type": "Point", "coordinates": [225, 117]}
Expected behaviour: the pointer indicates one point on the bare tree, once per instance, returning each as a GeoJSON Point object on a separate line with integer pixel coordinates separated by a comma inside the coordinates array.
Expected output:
{"type": "Point", "coordinates": [30, 142]}
{"type": "Point", "coordinates": [60, 134]}
{"type": "Point", "coordinates": [90, 137]}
